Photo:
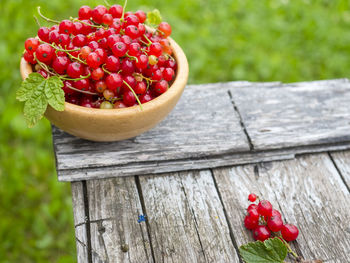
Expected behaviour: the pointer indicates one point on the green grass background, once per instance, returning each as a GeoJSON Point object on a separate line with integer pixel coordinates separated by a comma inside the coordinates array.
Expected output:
{"type": "Point", "coordinates": [256, 40]}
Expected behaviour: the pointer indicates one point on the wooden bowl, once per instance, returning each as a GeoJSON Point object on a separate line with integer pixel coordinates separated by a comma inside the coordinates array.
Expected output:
{"type": "Point", "coordinates": [118, 124]}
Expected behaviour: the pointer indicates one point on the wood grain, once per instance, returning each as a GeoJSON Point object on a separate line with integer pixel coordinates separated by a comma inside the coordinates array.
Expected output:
{"type": "Point", "coordinates": [116, 236]}
{"type": "Point", "coordinates": [342, 162]}
{"type": "Point", "coordinates": [309, 193]}
{"type": "Point", "coordinates": [79, 222]}
{"type": "Point", "coordinates": [307, 113]}
{"type": "Point", "coordinates": [186, 219]}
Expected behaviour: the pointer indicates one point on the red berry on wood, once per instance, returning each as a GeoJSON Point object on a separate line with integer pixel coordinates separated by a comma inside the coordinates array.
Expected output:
{"type": "Point", "coordinates": [261, 233]}
{"type": "Point", "coordinates": [250, 223]}
{"type": "Point", "coordinates": [289, 232]}
{"type": "Point", "coordinates": [252, 198]}
{"type": "Point", "coordinates": [265, 208]}
{"type": "Point", "coordinates": [274, 223]}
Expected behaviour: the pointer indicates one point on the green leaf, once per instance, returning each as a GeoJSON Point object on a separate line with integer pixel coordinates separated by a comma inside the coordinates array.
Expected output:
{"type": "Point", "coordinates": [28, 86]}
{"type": "Point", "coordinates": [35, 106]}
{"type": "Point", "coordinates": [54, 93]}
{"type": "Point", "coordinates": [271, 250]}
{"type": "Point", "coordinates": [154, 18]}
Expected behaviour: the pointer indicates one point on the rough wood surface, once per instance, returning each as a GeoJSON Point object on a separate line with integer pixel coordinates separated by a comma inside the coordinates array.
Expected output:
{"type": "Point", "coordinates": [342, 162]}
{"type": "Point", "coordinates": [186, 219]}
{"type": "Point", "coordinates": [289, 115]}
{"type": "Point", "coordinates": [308, 191]}
{"type": "Point", "coordinates": [199, 126]}
{"type": "Point", "coordinates": [116, 236]}
{"type": "Point", "coordinates": [79, 220]}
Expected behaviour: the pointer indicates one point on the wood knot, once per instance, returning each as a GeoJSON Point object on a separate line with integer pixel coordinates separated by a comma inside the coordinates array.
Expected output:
{"type": "Point", "coordinates": [125, 248]}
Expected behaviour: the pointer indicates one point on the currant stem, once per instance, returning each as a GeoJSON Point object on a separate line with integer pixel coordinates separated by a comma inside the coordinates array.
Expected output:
{"type": "Point", "coordinates": [81, 77]}
{"type": "Point", "coordinates": [106, 3]}
{"type": "Point", "coordinates": [46, 18]}
{"type": "Point", "coordinates": [37, 21]}
{"type": "Point", "coordinates": [135, 58]}
{"type": "Point", "coordinates": [82, 91]}
{"type": "Point", "coordinates": [133, 92]}
{"type": "Point", "coordinates": [289, 248]}
{"type": "Point", "coordinates": [149, 41]}
{"type": "Point", "coordinates": [92, 25]}
{"type": "Point", "coordinates": [143, 42]}
{"type": "Point", "coordinates": [105, 70]}
{"type": "Point", "coordinates": [125, 3]}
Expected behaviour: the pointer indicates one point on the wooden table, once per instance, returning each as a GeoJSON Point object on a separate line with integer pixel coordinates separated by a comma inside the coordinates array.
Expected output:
{"type": "Point", "coordinates": [191, 175]}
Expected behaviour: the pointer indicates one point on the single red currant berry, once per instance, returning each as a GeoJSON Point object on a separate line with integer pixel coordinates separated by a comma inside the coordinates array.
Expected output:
{"type": "Point", "coordinates": [112, 64]}
{"type": "Point", "coordinates": [100, 33]}
{"type": "Point", "coordinates": [275, 223]}
{"type": "Point", "coordinates": [117, 25]}
{"type": "Point", "coordinates": [252, 198]}
{"type": "Point", "coordinates": [171, 63]}
{"type": "Point", "coordinates": [116, 11]}
{"type": "Point", "coordinates": [110, 31]}
{"type": "Point", "coordinates": [85, 12]}
{"type": "Point", "coordinates": [265, 208]}
{"type": "Point", "coordinates": [31, 44]}
{"type": "Point", "coordinates": [53, 36]}
{"type": "Point", "coordinates": [112, 40]}
{"type": "Point", "coordinates": [134, 49]}
{"type": "Point", "coordinates": [276, 213]}
{"type": "Point", "coordinates": [155, 49]}
{"type": "Point", "coordinates": [131, 20]}
{"type": "Point", "coordinates": [142, 62]}
{"type": "Point", "coordinates": [128, 14]}
{"type": "Point", "coordinates": [103, 43]}
{"type": "Point", "coordinates": [168, 75]}
{"type": "Point", "coordinates": [93, 60]}
{"type": "Point", "coordinates": [63, 40]}
{"type": "Point", "coordinates": [97, 74]}
{"type": "Point", "coordinates": [100, 86]}
{"type": "Point", "coordinates": [142, 29]}
{"type": "Point", "coordinates": [82, 84]}
{"type": "Point", "coordinates": [114, 81]}
{"type": "Point", "coordinates": [162, 61]}
{"type": "Point", "coordinates": [86, 29]}
{"type": "Point", "coordinates": [132, 31]}
{"type": "Point", "coordinates": [141, 16]}
{"type": "Point", "coordinates": [253, 214]}
{"type": "Point", "coordinates": [140, 88]}
{"type": "Point", "coordinates": [93, 45]}
{"type": "Point", "coordinates": [86, 104]}
{"type": "Point", "coordinates": [45, 53]}
{"type": "Point", "coordinates": [43, 73]}
{"type": "Point", "coordinates": [29, 57]}
{"type": "Point", "coordinates": [127, 66]}
{"type": "Point", "coordinates": [102, 54]}
{"type": "Point", "coordinates": [119, 49]}
{"type": "Point", "coordinates": [165, 29]}
{"type": "Point", "coordinates": [74, 70]}
{"type": "Point", "coordinates": [250, 223]}
{"type": "Point", "coordinates": [107, 19]}
{"type": "Point", "coordinates": [261, 233]}
{"type": "Point", "coordinates": [108, 94]}
{"type": "Point", "coordinates": [119, 105]}
{"type": "Point", "coordinates": [252, 206]}
{"type": "Point", "coordinates": [67, 87]}
{"type": "Point", "coordinates": [60, 64]}
{"type": "Point", "coordinates": [289, 232]}
{"type": "Point", "coordinates": [77, 28]}
{"type": "Point", "coordinates": [66, 27]}
{"type": "Point", "coordinates": [157, 75]}
{"type": "Point", "coordinates": [146, 98]}
{"type": "Point", "coordinates": [79, 40]}
{"type": "Point", "coordinates": [126, 40]}
{"type": "Point", "coordinates": [129, 98]}
{"type": "Point", "coordinates": [85, 51]}
{"type": "Point", "coordinates": [98, 12]}
{"type": "Point", "coordinates": [130, 80]}
{"type": "Point", "coordinates": [161, 87]}
{"type": "Point", "coordinates": [43, 34]}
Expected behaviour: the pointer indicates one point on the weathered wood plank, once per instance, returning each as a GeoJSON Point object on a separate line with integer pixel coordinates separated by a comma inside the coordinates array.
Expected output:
{"type": "Point", "coordinates": [309, 193]}
{"type": "Point", "coordinates": [199, 126]}
{"type": "Point", "coordinates": [186, 219]}
{"type": "Point", "coordinates": [213, 161]}
{"type": "Point", "coordinates": [79, 220]}
{"type": "Point", "coordinates": [342, 162]}
{"type": "Point", "coordinates": [296, 114]}
{"type": "Point", "coordinates": [116, 236]}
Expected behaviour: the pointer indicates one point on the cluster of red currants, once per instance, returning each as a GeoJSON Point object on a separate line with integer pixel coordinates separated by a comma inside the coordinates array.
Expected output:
{"type": "Point", "coordinates": [262, 219]}
{"type": "Point", "coordinates": [106, 58]}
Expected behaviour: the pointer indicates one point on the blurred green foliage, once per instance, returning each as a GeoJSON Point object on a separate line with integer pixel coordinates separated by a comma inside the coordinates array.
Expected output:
{"type": "Point", "coordinates": [224, 40]}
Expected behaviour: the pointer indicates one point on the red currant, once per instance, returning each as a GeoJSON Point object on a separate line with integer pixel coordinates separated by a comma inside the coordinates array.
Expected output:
{"type": "Point", "coordinates": [155, 49]}
{"type": "Point", "coordinates": [250, 223]}
{"type": "Point", "coordinates": [97, 74]}
{"type": "Point", "coordinates": [100, 86]}
{"type": "Point", "coordinates": [112, 64]}
{"type": "Point", "coordinates": [134, 49]}
{"type": "Point", "coordinates": [107, 19]}
{"type": "Point", "coordinates": [252, 206]}
{"type": "Point", "coordinates": [253, 214]}
{"type": "Point", "coordinates": [79, 40]}
{"type": "Point", "coordinates": [43, 34]}
{"type": "Point", "coordinates": [251, 197]}
{"type": "Point", "coordinates": [60, 64]}
{"type": "Point", "coordinates": [85, 12]}
{"type": "Point", "coordinates": [119, 105]}
{"type": "Point", "coordinates": [78, 28]}
{"type": "Point", "coordinates": [275, 223]}
{"type": "Point", "coordinates": [74, 70]}
{"type": "Point", "coordinates": [168, 75]}
{"type": "Point", "coordinates": [29, 57]}
{"type": "Point", "coordinates": [116, 11]}
{"type": "Point", "coordinates": [265, 208]}
{"type": "Point", "coordinates": [66, 27]}
{"type": "Point", "coordinates": [142, 62]}
{"type": "Point", "coordinates": [132, 31]}
{"type": "Point", "coordinates": [261, 233]}
{"type": "Point", "coordinates": [131, 20]}
{"type": "Point", "coordinates": [146, 97]}
{"type": "Point", "coordinates": [114, 81]}
{"type": "Point", "coordinates": [31, 44]}
{"type": "Point", "coordinates": [161, 87]}
{"type": "Point", "coordinates": [45, 53]}
{"type": "Point", "coordinates": [119, 49]}
{"type": "Point", "coordinates": [289, 232]}
{"type": "Point", "coordinates": [140, 88]}
{"type": "Point", "coordinates": [98, 12]}
{"type": "Point", "coordinates": [85, 51]}
{"type": "Point", "coordinates": [93, 60]}
{"type": "Point", "coordinates": [165, 28]}
{"type": "Point", "coordinates": [141, 16]}
{"type": "Point", "coordinates": [129, 98]}
{"type": "Point", "coordinates": [82, 84]}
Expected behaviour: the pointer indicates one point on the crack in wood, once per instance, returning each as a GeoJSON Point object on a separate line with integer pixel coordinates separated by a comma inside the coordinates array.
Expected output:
{"type": "Point", "coordinates": [143, 206]}
{"type": "Point", "coordinates": [339, 172]}
{"type": "Point", "coordinates": [234, 242]}
{"type": "Point", "coordinates": [251, 146]}
{"type": "Point", "coordinates": [87, 226]}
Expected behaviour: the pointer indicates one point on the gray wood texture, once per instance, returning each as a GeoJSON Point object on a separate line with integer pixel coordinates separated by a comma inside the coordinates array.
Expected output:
{"type": "Point", "coordinates": [308, 191]}
{"type": "Point", "coordinates": [307, 113]}
{"type": "Point", "coordinates": [218, 125]}
{"type": "Point", "coordinates": [341, 161]}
